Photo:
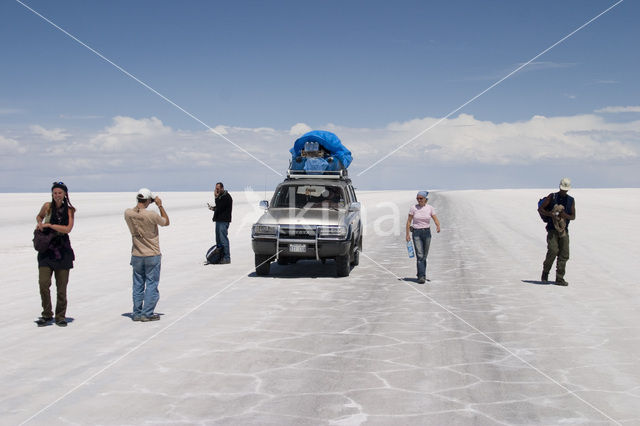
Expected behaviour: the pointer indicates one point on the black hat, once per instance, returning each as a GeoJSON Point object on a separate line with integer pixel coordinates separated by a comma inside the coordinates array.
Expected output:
{"type": "Point", "coordinates": [60, 185]}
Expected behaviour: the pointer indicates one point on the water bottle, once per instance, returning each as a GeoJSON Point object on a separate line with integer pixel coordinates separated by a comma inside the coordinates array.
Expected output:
{"type": "Point", "coordinates": [410, 249]}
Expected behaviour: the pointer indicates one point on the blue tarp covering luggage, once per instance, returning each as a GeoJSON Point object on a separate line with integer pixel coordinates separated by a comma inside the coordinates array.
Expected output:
{"type": "Point", "coordinates": [338, 157]}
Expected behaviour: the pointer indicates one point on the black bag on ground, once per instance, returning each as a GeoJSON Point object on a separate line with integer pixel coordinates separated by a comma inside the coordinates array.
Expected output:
{"type": "Point", "coordinates": [214, 254]}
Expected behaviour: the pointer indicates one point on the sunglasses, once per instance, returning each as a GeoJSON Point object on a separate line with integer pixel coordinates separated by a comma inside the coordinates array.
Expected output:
{"type": "Point", "coordinates": [57, 183]}
{"type": "Point", "coordinates": [420, 198]}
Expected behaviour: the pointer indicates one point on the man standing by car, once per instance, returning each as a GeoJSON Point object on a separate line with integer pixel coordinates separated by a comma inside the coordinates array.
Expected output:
{"type": "Point", "coordinates": [557, 241]}
{"type": "Point", "coordinates": [145, 253]}
{"type": "Point", "coordinates": [222, 218]}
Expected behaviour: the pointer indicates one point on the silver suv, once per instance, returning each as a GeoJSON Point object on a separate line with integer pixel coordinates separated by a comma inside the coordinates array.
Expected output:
{"type": "Point", "coordinates": [310, 217]}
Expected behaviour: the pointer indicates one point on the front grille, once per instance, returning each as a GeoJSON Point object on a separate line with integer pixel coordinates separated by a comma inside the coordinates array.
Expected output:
{"type": "Point", "coordinates": [304, 233]}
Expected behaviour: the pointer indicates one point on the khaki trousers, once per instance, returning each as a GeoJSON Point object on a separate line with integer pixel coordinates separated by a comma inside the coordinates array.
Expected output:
{"type": "Point", "coordinates": [44, 279]}
{"type": "Point", "coordinates": [557, 247]}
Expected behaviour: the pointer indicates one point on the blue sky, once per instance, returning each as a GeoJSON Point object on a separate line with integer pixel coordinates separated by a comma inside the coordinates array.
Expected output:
{"type": "Point", "coordinates": [375, 73]}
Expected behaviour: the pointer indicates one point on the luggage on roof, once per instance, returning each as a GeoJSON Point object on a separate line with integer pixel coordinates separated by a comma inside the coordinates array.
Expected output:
{"type": "Point", "coordinates": [319, 152]}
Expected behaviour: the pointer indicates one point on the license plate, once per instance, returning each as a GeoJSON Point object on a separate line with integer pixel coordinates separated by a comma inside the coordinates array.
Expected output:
{"type": "Point", "coordinates": [297, 248]}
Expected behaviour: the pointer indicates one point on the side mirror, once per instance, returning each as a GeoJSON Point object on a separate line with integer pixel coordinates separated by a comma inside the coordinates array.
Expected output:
{"type": "Point", "coordinates": [354, 207]}
{"type": "Point", "coordinates": [264, 204]}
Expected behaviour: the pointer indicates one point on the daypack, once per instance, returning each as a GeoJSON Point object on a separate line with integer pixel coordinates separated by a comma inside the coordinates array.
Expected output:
{"type": "Point", "coordinates": [549, 207]}
{"type": "Point", "coordinates": [42, 239]}
{"type": "Point", "coordinates": [214, 254]}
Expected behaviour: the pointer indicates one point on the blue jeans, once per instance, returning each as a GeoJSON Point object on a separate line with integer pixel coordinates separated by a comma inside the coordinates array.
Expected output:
{"type": "Point", "coordinates": [146, 277]}
{"type": "Point", "coordinates": [222, 239]}
{"type": "Point", "coordinates": [421, 242]}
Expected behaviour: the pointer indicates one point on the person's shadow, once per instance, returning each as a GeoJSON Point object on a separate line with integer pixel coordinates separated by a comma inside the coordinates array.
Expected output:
{"type": "Point", "coordinates": [538, 282]}
{"type": "Point", "coordinates": [412, 280]}
{"type": "Point", "coordinates": [52, 322]}
{"type": "Point", "coordinates": [130, 315]}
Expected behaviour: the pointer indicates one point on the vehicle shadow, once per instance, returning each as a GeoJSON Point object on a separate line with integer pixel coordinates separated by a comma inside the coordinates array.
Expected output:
{"type": "Point", "coordinates": [301, 269]}
{"type": "Point", "coordinates": [538, 282]}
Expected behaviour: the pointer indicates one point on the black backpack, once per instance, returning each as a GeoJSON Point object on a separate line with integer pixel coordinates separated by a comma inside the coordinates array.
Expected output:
{"type": "Point", "coordinates": [549, 207]}
{"type": "Point", "coordinates": [214, 254]}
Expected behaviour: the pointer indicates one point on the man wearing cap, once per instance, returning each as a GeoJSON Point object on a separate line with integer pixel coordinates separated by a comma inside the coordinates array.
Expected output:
{"type": "Point", "coordinates": [145, 253]}
{"type": "Point", "coordinates": [558, 243]}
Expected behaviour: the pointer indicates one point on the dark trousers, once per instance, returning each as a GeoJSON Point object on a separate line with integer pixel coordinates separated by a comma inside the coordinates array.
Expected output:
{"type": "Point", "coordinates": [222, 238]}
{"type": "Point", "coordinates": [44, 279]}
{"type": "Point", "coordinates": [421, 242]}
{"type": "Point", "coordinates": [557, 247]}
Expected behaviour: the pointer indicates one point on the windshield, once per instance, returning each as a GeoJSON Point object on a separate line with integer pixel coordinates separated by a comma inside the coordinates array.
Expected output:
{"type": "Point", "coordinates": [309, 196]}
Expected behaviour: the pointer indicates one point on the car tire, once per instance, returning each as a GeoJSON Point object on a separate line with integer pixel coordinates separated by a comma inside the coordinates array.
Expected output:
{"type": "Point", "coordinates": [263, 264]}
{"type": "Point", "coordinates": [355, 258]}
{"type": "Point", "coordinates": [342, 265]}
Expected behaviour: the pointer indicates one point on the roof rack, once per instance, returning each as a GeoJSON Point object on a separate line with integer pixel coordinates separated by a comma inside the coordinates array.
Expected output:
{"type": "Point", "coordinates": [302, 174]}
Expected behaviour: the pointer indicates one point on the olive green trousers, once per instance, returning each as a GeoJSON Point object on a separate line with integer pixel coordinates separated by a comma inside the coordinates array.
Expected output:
{"type": "Point", "coordinates": [44, 279]}
{"type": "Point", "coordinates": [557, 247]}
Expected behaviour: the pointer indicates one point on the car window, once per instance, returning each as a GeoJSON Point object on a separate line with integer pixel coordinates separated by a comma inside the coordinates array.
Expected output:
{"type": "Point", "coordinates": [309, 196]}
{"type": "Point", "coordinates": [354, 199]}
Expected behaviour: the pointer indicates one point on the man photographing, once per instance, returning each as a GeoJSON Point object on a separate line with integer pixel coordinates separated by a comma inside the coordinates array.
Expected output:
{"type": "Point", "coordinates": [145, 253]}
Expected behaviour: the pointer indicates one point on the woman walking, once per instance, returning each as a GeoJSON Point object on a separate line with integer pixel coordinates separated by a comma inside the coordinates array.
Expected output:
{"type": "Point", "coordinates": [419, 223]}
{"type": "Point", "coordinates": [55, 216]}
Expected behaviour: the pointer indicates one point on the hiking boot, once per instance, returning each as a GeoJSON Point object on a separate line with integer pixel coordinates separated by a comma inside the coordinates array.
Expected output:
{"type": "Point", "coordinates": [421, 280]}
{"type": "Point", "coordinates": [153, 317]}
{"type": "Point", "coordinates": [61, 323]}
{"type": "Point", "coordinates": [41, 322]}
{"type": "Point", "coordinates": [562, 282]}
{"type": "Point", "coordinates": [545, 276]}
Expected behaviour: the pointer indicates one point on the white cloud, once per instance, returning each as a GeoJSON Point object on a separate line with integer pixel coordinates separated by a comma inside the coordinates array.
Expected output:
{"type": "Point", "coordinates": [131, 134]}
{"type": "Point", "coordinates": [10, 146]}
{"type": "Point", "coordinates": [222, 130]}
{"type": "Point", "coordinates": [466, 140]}
{"type": "Point", "coordinates": [50, 134]}
{"type": "Point", "coordinates": [299, 129]}
{"type": "Point", "coordinates": [618, 109]}
{"type": "Point", "coordinates": [460, 144]}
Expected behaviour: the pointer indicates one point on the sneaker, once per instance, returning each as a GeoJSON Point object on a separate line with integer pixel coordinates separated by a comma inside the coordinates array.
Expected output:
{"type": "Point", "coordinates": [153, 317]}
{"type": "Point", "coordinates": [421, 280]}
{"type": "Point", "coordinates": [44, 321]}
{"type": "Point", "coordinates": [61, 323]}
{"type": "Point", "coordinates": [137, 317]}
{"type": "Point", "coordinates": [562, 282]}
{"type": "Point", "coordinates": [545, 277]}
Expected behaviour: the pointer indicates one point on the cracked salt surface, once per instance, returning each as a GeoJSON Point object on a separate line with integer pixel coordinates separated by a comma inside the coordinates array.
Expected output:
{"type": "Point", "coordinates": [482, 343]}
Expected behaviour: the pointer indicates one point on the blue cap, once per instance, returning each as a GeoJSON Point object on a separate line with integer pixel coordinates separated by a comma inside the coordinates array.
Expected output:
{"type": "Point", "coordinates": [424, 194]}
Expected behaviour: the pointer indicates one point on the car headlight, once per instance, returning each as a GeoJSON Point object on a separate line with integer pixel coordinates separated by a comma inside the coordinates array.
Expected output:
{"type": "Point", "coordinates": [264, 230]}
{"type": "Point", "coordinates": [333, 232]}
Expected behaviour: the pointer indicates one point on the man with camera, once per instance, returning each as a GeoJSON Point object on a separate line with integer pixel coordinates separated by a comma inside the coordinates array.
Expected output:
{"type": "Point", "coordinates": [145, 253]}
